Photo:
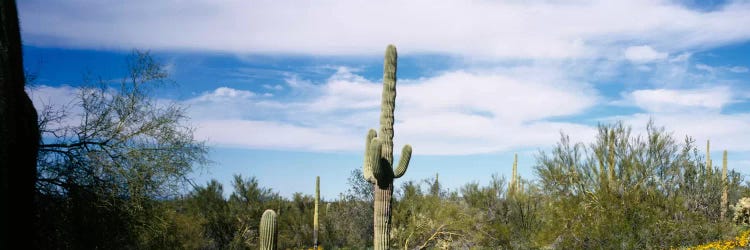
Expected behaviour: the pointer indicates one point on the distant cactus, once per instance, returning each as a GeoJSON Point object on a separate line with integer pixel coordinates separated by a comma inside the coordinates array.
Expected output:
{"type": "Point", "coordinates": [378, 163]}
{"type": "Point", "coordinates": [724, 187]}
{"type": "Point", "coordinates": [611, 160]}
{"type": "Point", "coordinates": [513, 185]}
{"type": "Point", "coordinates": [316, 226]}
{"type": "Point", "coordinates": [268, 230]}
{"type": "Point", "coordinates": [709, 164]}
{"type": "Point", "coordinates": [435, 186]}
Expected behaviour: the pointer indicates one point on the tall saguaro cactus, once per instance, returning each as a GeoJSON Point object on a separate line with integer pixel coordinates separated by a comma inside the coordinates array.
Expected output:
{"type": "Point", "coordinates": [316, 226]}
{"type": "Point", "coordinates": [724, 187]}
{"type": "Point", "coordinates": [378, 164]}
{"type": "Point", "coordinates": [268, 230]}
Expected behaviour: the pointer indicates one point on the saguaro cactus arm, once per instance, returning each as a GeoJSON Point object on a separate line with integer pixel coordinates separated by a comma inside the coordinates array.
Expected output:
{"type": "Point", "coordinates": [372, 157]}
{"type": "Point", "coordinates": [403, 164]}
{"type": "Point", "coordinates": [375, 173]}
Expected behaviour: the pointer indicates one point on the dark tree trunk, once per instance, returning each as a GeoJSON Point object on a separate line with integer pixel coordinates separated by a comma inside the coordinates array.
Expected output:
{"type": "Point", "coordinates": [19, 139]}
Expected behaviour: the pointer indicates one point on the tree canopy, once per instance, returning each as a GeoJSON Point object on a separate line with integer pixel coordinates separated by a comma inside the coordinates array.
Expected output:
{"type": "Point", "coordinates": [111, 153]}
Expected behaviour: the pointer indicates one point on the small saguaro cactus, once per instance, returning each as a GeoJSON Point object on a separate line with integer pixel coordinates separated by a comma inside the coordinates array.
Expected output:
{"type": "Point", "coordinates": [724, 187]}
{"type": "Point", "coordinates": [316, 226]}
{"type": "Point", "coordinates": [268, 230]}
{"type": "Point", "coordinates": [709, 163]}
{"type": "Point", "coordinates": [514, 178]}
{"type": "Point", "coordinates": [378, 163]}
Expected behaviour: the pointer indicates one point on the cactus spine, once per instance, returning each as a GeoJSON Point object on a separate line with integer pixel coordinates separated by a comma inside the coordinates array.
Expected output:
{"type": "Point", "coordinates": [315, 217]}
{"type": "Point", "coordinates": [268, 230]}
{"type": "Point", "coordinates": [724, 186]}
{"type": "Point", "coordinates": [378, 163]}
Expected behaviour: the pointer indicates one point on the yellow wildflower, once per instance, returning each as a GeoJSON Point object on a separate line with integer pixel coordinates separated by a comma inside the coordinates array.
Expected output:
{"type": "Point", "coordinates": [741, 240]}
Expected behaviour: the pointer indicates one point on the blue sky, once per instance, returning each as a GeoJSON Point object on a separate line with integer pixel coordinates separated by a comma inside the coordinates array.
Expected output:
{"type": "Point", "coordinates": [285, 91]}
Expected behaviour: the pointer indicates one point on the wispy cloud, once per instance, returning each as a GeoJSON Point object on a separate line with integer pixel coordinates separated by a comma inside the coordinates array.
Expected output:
{"type": "Point", "coordinates": [495, 29]}
{"type": "Point", "coordinates": [681, 100]}
{"type": "Point", "coordinates": [276, 87]}
{"type": "Point", "coordinates": [738, 69]}
{"type": "Point", "coordinates": [643, 54]}
{"type": "Point", "coordinates": [721, 69]}
{"type": "Point", "coordinates": [225, 93]}
{"type": "Point", "coordinates": [62, 98]}
{"type": "Point", "coordinates": [455, 112]}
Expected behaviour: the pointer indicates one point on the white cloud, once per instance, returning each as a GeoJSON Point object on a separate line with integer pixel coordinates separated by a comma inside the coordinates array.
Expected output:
{"type": "Point", "coordinates": [295, 83]}
{"type": "Point", "coordinates": [644, 54]}
{"type": "Point", "coordinates": [62, 98]}
{"type": "Point", "coordinates": [504, 97]}
{"type": "Point", "coordinates": [706, 68]}
{"type": "Point", "coordinates": [496, 29]}
{"type": "Point", "coordinates": [44, 95]}
{"type": "Point", "coordinates": [680, 100]}
{"type": "Point", "coordinates": [229, 103]}
{"type": "Point", "coordinates": [721, 69]}
{"type": "Point", "coordinates": [455, 112]}
{"type": "Point", "coordinates": [738, 69]}
{"type": "Point", "coordinates": [275, 135]}
{"type": "Point", "coordinates": [345, 90]}
{"type": "Point", "coordinates": [684, 57]}
{"type": "Point", "coordinates": [228, 93]}
{"type": "Point", "coordinates": [275, 87]}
